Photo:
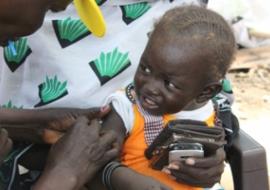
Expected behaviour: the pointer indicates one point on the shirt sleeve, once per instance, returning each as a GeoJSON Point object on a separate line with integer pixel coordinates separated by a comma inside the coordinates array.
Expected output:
{"type": "Point", "coordinates": [123, 107]}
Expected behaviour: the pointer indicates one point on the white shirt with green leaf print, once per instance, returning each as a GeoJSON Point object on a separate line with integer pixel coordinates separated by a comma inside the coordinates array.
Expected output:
{"type": "Point", "coordinates": [64, 65]}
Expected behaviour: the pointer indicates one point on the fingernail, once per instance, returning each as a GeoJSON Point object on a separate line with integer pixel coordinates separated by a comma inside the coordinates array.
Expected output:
{"type": "Point", "coordinates": [165, 170]}
{"type": "Point", "coordinates": [104, 108]}
{"type": "Point", "coordinates": [172, 177]}
{"type": "Point", "coordinates": [173, 166]}
{"type": "Point", "coordinates": [190, 161]}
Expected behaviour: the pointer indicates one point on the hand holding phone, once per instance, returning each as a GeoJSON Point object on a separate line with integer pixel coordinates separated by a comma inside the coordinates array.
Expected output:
{"type": "Point", "coordinates": [187, 138]}
{"type": "Point", "coordinates": [179, 151]}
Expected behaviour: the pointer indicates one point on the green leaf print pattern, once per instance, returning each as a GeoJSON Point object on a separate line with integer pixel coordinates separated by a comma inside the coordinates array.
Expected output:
{"type": "Point", "coordinates": [133, 11]}
{"type": "Point", "coordinates": [22, 49]}
{"type": "Point", "coordinates": [110, 64]}
{"type": "Point", "coordinates": [52, 89]}
{"type": "Point", "coordinates": [100, 2]}
{"type": "Point", "coordinates": [69, 31]}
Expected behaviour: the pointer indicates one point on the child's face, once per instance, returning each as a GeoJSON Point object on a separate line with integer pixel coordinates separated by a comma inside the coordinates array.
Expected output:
{"type": "Point", "coordinates": [169, 76]}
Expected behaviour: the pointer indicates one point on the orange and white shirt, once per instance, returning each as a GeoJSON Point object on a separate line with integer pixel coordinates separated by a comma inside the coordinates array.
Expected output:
{"type": "Point", "coordinates": [135, 144]}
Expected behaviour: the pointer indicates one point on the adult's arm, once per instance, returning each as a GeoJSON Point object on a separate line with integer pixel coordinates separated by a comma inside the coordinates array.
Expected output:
{"type": "Point", "coordinates": [43, 125]}
{"type": "Point", "coordinates": [77, 156]}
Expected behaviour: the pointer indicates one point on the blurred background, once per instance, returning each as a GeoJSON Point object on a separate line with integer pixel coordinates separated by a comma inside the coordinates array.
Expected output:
{"type": "Point", "coordinates": [250, 71]}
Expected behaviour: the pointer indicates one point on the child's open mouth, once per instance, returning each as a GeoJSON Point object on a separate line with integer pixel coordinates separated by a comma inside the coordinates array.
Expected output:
{"type": "Point", "coordinates": [148, 103]}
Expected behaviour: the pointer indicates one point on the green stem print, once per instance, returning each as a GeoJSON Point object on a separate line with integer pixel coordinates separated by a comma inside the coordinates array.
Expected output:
{"type": "Point", "coordinates": [69, 31]}
{"type": "Point", "coordinates": [109, 65]}
{"type": "Point", "coordinates": [133, 11]}
{"type": "Point", "coordinates": [23, 51]}
{"type": "Point", "coordinates": [11, 106]}
{"type": "Point", "coordinates": [51, 90]}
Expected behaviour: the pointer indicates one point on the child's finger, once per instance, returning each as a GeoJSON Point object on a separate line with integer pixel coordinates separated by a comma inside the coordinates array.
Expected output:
{"type": "Point", "coordinates": [207, 162]}
{"type": "Point", "coordinates": [174, 166]}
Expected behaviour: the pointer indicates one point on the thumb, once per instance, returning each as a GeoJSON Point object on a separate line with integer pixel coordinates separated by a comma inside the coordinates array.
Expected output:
{"type": "Point", "coordinates": [165, 188]}
{"type": "Point", "coordinates": [98, 112]}
{"type": "Point", "coordinates": [51, 136]}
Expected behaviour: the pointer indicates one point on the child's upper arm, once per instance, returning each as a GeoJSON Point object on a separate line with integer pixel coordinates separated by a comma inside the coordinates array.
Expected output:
{"type": "Point", "coordinates": [114, 122]}
{"type": "Point", "coordinates": [120, 119]}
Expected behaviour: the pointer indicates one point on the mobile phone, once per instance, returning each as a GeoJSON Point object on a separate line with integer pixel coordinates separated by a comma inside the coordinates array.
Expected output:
{"type": "Point", "coordinates": [182, 150]}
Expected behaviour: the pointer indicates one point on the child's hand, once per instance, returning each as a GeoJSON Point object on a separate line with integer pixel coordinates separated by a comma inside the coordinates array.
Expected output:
{"type": "Point", "coordinates": [126, 178]}
{"type": "Point", "coordinates": [5, 144]}
{"type": "Point", "coordinates": [199, 172]}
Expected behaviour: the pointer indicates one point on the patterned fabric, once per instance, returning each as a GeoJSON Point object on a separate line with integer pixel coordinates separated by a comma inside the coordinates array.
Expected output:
{"type": "Point", "coordinates": [64, 65]}
{"type": "Point", "coordinates": [153, 125]}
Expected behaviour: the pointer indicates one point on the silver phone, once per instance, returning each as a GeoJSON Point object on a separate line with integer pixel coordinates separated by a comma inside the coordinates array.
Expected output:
{"type": "Point", "coordinates": [180, 151]}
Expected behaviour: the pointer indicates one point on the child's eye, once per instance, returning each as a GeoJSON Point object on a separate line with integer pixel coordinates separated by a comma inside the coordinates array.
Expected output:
{"type": "Point", "coordinates": [145, 69]}
{"type": "Point", "coordinates": [169, 84]}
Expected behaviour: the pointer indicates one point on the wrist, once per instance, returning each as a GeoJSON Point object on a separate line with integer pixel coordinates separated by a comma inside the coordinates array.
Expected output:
{"type": "Point", "coordinates": [57, 178]}
{"type": "Point", "coordinates": [108, 172]}
{"type": "Point", "coordinates": [120, 178]}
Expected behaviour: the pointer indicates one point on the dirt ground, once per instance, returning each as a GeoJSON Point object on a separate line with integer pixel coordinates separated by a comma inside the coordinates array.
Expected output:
{"type": "Point", "coordinates": [252, 92]}
{"type": "Point", "coordinates": [250, 78]}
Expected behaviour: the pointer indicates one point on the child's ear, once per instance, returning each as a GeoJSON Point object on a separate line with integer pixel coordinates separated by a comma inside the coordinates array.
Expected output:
{"type": "Point", "coordinates": [209, 92]}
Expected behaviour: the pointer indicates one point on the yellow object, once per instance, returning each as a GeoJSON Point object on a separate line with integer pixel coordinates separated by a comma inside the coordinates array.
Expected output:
{"type": "Point", "coordinates": [91, 16]}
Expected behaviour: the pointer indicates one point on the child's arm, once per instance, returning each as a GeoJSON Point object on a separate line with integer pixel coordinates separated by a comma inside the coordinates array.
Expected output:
{"type": "Point", "coordinates": [123, 177]}
{"type": "Point", "coordinates": [5, 145]}
{"type": "Point", "coordinates": [113, 122]}
{"type": "Point", "coordinates": [126, 178]}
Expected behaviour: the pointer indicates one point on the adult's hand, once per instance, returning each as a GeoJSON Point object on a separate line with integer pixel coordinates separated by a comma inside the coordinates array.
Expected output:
{"type": "Point", "coordinates": [59, 120]}
{"type": "Point", "coordinates": [199, 172]}
{"type": "Point", "coordinates": [77, 156]}
{"type": "Point", "coordinates": [44, 125]}
{"type": "Point", "coordinates": [20, 18]}
{"type": "Point", "coordinates": [5, 144]}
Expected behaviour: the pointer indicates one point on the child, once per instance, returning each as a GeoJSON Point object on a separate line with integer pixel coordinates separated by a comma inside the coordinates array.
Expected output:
{"type": "Point", "coordinates": [180, 71]}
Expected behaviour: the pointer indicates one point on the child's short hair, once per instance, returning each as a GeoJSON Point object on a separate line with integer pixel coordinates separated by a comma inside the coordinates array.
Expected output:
{"type": "Point", "coordinates": [202, 27]}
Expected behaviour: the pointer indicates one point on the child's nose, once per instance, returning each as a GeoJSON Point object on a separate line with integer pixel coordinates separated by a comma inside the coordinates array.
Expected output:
{"type": "Point", "coordinates": [153, 87]}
